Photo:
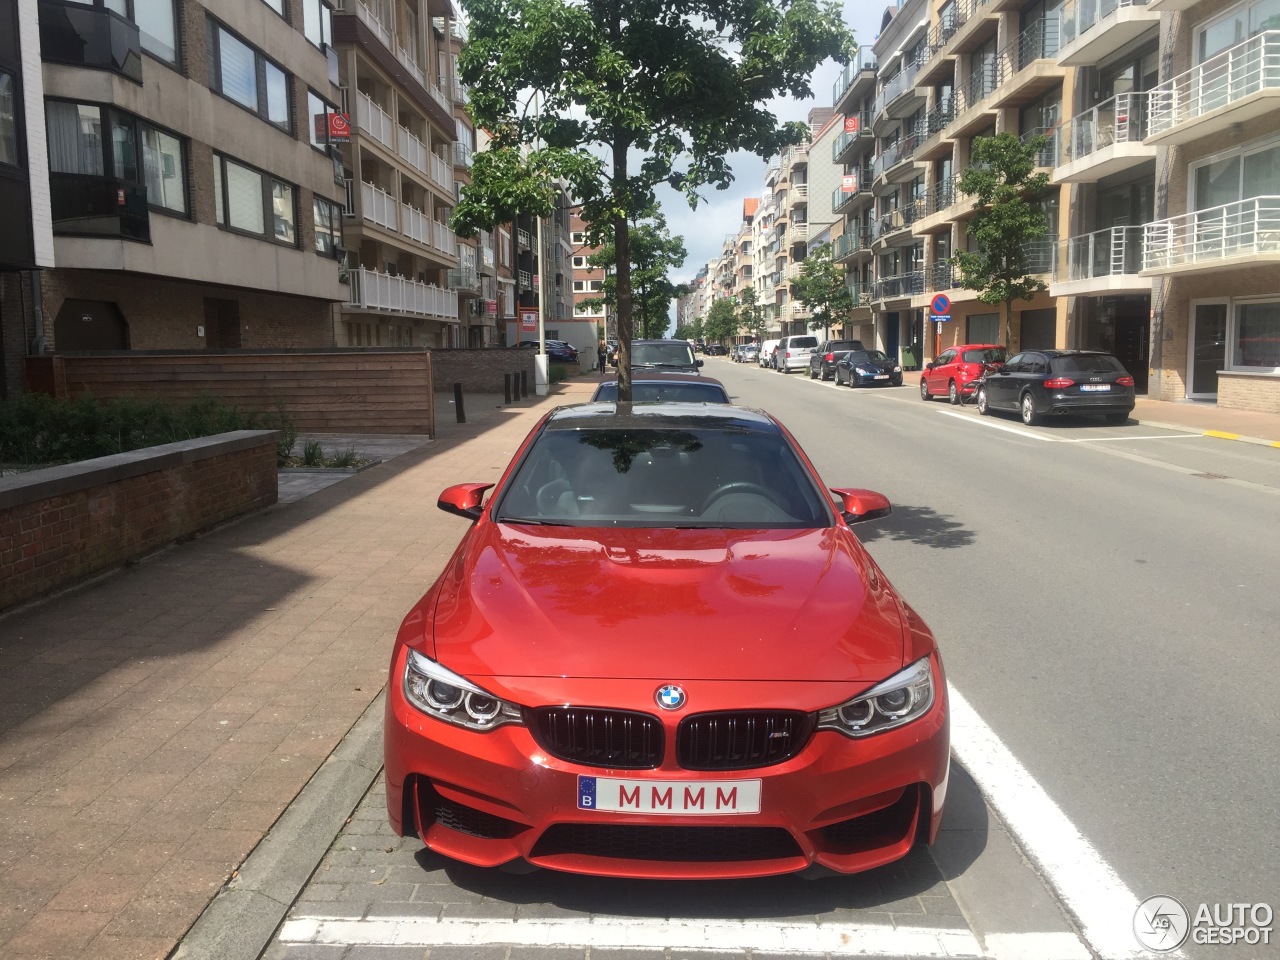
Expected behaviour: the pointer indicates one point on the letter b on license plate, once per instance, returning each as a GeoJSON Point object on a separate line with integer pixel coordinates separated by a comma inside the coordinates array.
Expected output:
{"type": "Point", "coordinates": [678, 797]}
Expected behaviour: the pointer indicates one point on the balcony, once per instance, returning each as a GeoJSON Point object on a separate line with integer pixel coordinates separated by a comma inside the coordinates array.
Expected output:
{"type": "Point", "coordinates": [1047, 156]}
{"type": "Point", "coordinates": [846, 247]}
{"type": "Point", "coordinates": [799, 231]}
{"type": "Point", "coordinates": [935, 67]}
{"type": "Point", "coordinates": [942, 204]}
{"type": "Point", "coordinates": [1028, 65]}
{"type": "Point", "coordinates": [99, 207]}
{"type": "Point", "coordinates": [1103, 263]}
{"type": "Point", "coordinates": [461, 155]}
{"type": "Point", "coordinates": [842, 200]}
{"type": "Point", "coordinates": [1244, 233]}
{"type": "Point", "coordinates": [378, 207]}
{"type": "Point", "coordinates": [941, 276]}
{"type": "Point", "coordinates": [860, 291]}
{"type": "Point", "coordinates": [898, 95]}
{"type": "Point", "coordinates": [973, 108]}
{"type": "Point", "coordinates": [857, 78]}
{"type": "Point", "coordinates": [375, 122]}
{"type": "Point", "coordinates": [90, 37]}
{"type": "Point", "coordinates": [1236, 85]}
{"type": "Point", "coordinates": [890, 163]}
{"type": "Point", "coordinates": [893, 228]}
{"type": "Point", "coordinates": [933, 144]}
{"type": "Point", "coordinates": [1105, 140]}
{"type": "Point", "coordinates": [371, 290]}
{"type": "Point", "coordinates": [1042, 258]}
{"type": "Point", "coordinates": [524, 239]}
{"type": "Point", "coordinates": [898, 288]}
{"type": "Point", "coordinates": [1092, 30]}
{"type": "Point", "coordinates": [463, 280]}
{"type": "Point", "coordinates": [970, 24]}
{"type": "Point", "coordinates": [846, 147]}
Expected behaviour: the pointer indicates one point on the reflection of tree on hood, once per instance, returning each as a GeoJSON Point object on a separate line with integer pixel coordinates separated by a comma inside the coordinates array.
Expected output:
{"type": "Point", "coordinates": [626, 444]}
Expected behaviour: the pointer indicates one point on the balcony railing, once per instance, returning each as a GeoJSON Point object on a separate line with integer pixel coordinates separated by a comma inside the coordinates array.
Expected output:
{"type": "Point", "coordinates": [410, 63]}
{"type": "Point", "coordinates": [1042, 257]}
{"type": "Point", "coordinates": [416, 225]}
{"type": "Point", "coordinates": [850, 73]}
{"type": "Point", "coordinates": [461, 154]}
{"type": "Point", "coordinates": [378, 206]}
{"type": "Point", "coordinates": [1245, 228]}
{"type": "Point", "coordinates": [463, 280]}
{"type": "Point", "coordinates": [1220, 81]}
{"type": "Point", "coordinates": [1114, 252]}
{"type": "Point", "coordinates": [941, 275]}
{"type": "Point", "coordinates": [900, 83]}
{"type": "Point", "coordinates": [370, 19]}
{"type": "Point", "coordinates": [1078, 17]}
{"type": "Point", "coordinates": [842, 143]}
{"type": "Point", "coordinates": [899, 152]}
{"type": "Point", "coordinates": [99, 207]}
{"type": "Point", "coordinates": [441, 171]}
{"type": "Point", "coordinates": [854, 241]}
{"type": "Point", "coordinates": [1036, 42]}
{"type": "Point", "coordinates": [936, 120]}
{"type": "Point", "coordinates": [380, 291]}
{"type": "Point", "coordinates": [1122, 119]}
{"type": "Point", "coordinates": [374, 121]}
{"type": "Point", "coordinates": [942, 195]}
{"type": "Point", "coordinates": [904, 285]}
{"type": "Point", "coordinates": [412, 150]}
{"type": "Point", "coordinates": [859, 290]}
{"type": "Point", "coordinates": [90, 37]}
{"type": "Point", "coordinates": [1047, 155]}
{"type": "Point", "coordinates": [981, 84]}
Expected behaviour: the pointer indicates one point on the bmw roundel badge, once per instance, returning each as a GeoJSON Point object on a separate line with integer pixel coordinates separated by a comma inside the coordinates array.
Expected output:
{"type": "Point", "coordinates": [670, 697]}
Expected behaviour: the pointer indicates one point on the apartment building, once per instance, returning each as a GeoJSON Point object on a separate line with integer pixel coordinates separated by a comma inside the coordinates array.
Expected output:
{"type": "Point", "coordinates": [852, 202]}
{"type": "Point", "coordinates": [544, 271]}
{"type": "Point", "coordinates": [588, 282]}
{"type": "Point", "coordinates": [192, 197]}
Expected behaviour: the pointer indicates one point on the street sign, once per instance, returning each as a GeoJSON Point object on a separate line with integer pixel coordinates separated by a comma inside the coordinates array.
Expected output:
{"type": "Point", "coordinates": [941, 304]}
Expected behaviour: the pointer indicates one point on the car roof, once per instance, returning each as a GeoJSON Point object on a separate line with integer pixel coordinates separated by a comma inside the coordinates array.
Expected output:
{"type": "Point", "coordinates": [668, 376]}
{"type": "Point", "coordinates": [607, 414]}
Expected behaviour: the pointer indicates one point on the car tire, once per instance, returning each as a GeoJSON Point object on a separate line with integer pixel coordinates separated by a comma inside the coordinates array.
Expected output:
{"type": "Point", "coordinates": [924, 390]}
{"type": "Point", "coordinates": [983, 409]}
{"type": "Point", "coordinates": [953, 394]}
{"type": "Point", "coordinates": [827, 376]}
{"type": "Point", "coordinates": [1027, 407]}
{"type": "Point", "coordinates": [813, 374]}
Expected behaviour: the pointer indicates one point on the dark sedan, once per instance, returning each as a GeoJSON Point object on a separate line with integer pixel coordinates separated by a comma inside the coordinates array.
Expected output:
{"type": "Point", "coordinates": [558, 351]}
{"type": "Point", "coordinates": [822, 362]}
{"type": "Point", "coordinates": [1042, 383]}
{"type": "Point", "coordinates": [666, 388]}
{"type": "Point", "coordinates": [868, 368]}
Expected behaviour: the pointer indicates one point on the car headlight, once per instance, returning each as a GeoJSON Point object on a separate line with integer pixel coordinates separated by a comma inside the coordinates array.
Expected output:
{"type": "Point", "coordinates": [866, 371]}
{"type": "Point", "coordinates": [904, 697]}
{"type": "Point", "coordinates": [443, 694]}
{"type": "Point", "coordinates": [897, 369]}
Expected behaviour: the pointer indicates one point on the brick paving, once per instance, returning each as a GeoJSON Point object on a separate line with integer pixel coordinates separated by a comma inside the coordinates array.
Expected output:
{"type": "Point", "coordinates": [156, 723]}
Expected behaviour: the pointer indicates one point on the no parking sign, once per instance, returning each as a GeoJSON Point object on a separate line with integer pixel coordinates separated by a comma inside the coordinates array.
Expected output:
{"type": "Point", "coordinates": [940, 308]}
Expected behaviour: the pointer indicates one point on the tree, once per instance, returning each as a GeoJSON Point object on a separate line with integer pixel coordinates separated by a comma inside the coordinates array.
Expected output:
{"type": "Point", "coordinates": [751, 316]}
{"type": "Point", "coordinates": [822, 289]}
{"type": "Point", "coordinates": [654, 252]}
{"type": "Point", "coordinates": [1004, 188]}
{"type": "Point", "coordinates": [617, 96]}
{"type": "Point", "coordinates": [721, 321]}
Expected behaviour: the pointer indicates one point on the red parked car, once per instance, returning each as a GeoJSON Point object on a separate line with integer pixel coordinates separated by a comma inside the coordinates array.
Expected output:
{"type": "Point", "coordinates": [953, 373]}
{"type": "Point", "coordinates": [617, 671]}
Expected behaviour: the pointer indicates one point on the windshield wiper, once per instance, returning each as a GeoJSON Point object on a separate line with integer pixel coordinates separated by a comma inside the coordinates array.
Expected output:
{"type": "Point", "coordinates": [529, 521]}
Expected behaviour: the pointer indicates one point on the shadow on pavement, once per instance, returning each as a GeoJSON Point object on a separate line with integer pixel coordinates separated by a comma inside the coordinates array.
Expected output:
{"type": "Point", "coordinates": [922, 525]}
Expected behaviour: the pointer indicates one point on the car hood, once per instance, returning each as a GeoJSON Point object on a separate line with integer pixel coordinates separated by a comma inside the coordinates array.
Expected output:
{"type": "Point", "coordinates": [643, 603]}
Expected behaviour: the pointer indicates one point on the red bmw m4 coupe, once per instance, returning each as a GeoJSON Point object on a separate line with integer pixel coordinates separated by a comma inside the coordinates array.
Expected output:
{"type": "Point", "coordinates": [660, 651]}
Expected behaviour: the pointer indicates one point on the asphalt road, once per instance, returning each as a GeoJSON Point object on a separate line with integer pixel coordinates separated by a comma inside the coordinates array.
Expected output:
{"type": "Point", "coordinates": [1106, 599]}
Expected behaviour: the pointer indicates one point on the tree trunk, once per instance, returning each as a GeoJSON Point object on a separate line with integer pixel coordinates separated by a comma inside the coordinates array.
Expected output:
{"type": "Point", "coordinates": [1008, 325]}
{"type": "Point", "coordinates": [622, 268]}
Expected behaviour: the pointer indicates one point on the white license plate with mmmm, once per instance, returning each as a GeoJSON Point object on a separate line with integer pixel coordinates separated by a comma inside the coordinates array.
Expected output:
{"type": "Point", "coordinates": [685, 798]}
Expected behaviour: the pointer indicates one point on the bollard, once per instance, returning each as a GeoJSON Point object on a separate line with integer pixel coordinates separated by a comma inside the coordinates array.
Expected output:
{"type": "Point", "coordinates": [457, 403]}
{"type": "Point", "coordinates": [506, 389]}
{"type": "Point", "coordinates": [524, 382]}
{"type": "Point", "coordinates": [515, 387]}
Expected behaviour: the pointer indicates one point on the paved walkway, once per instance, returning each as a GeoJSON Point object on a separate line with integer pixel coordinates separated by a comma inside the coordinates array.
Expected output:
{"type": "Point", "coordinates": [154, 725]}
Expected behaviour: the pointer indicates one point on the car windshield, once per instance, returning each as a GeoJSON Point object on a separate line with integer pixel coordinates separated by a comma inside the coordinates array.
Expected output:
{"type": "Point", "coordinates": [653, 391]}
{"type": "Point", "coordinates": [866, 356]}
{"type": "Point", "coordinates": [666, 477]}
{"type": "Point", "coordinates": [1085, 363]}
{"type": "Point", "coordinates": [986, 355]}
{"type": "Point", "coordinates": [796, 342]}
{"type": "Point", "coordinates": [662, 355]}
{"type": "Point", "coordinates": [845, 345]}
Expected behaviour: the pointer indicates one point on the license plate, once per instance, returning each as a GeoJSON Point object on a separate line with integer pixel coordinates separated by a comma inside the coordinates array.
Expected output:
{"type": "Point", "coordinates": [686, 798]}
{"type": "Point", "coordinates": [882, 376]}
{"type": "Point", "coordinates": [1095, 387]}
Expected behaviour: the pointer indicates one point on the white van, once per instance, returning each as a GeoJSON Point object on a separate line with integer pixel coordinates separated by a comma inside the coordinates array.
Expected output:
{"type": "Point", "coordinates": [765, 357]}
{"type": "Point", "coordinates": [793, 353]}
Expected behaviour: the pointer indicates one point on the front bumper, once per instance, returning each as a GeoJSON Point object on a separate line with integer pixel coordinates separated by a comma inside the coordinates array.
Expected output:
{"type": "Point", "coordinates": [864, 380]}
{"type": "Point", "coordinates": [491, 798]}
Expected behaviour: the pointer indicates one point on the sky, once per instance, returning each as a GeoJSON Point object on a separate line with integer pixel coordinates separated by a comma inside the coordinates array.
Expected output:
{"type": "Point", "coordinates": [720, 214]}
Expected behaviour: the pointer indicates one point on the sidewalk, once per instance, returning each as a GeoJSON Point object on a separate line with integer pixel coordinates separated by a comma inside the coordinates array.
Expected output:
{"type": "Point", "coordinates": [157, 722]}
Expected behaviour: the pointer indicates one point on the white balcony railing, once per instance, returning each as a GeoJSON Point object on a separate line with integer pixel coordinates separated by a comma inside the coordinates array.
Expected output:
{"type": "Point", "coordinates": [461, 155]}
{"type": "Point", "coordinates": [1122, 119]}
{"type": "Point", "coordinates": [1220, 81]}
{"type": "Point", "coordinates": [445, 103]}
{"type": "Point", "coordinates": [370, 20]}
{"type": "Point", "coordinates": [378, 206]}
{"type": "Point", "coordinates": [412, 150]}
{"type": "Point", "coordinates": [444, 239]}
{"type": "Point", "coordinates": [799, 231]}
{"type": "Point", "coordinates": [415, 225]}
{"type": "Point", "coordinates": [1246, 228]}
{"type": "Point", "coordinates": [1114, 252]}
{"type": "Point", "coordinates": [374, 121]}
{"type": "Point", "coordinates": [441, 172]}
{"type": "Point", "coordinates": [799, 191]}
{"type": "Point", "coordinates": [372, 290]}
{"type": "Point", "coordinates": [410, 63]}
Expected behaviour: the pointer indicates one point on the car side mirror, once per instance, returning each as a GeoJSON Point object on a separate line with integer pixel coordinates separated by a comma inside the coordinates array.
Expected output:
{"type": "Point", "coordinates": [698, 363]}
{"type": "Point", "coordinates": [858, 506]}
{"type": "Point", "coordinates": [928, 366]}
{"type": "Point", "coordinates": [463, 499]}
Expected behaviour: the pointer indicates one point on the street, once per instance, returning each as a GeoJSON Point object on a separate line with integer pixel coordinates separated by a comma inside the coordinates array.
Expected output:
{"type": "Point", "coordinates": [1104, 597]}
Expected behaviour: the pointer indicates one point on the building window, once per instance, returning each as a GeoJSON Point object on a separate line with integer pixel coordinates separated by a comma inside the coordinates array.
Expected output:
{"type": "Point", "coordinates": [578, 238]}
{"type": "Point", "coordinates": [164, 169]}
{"type": "Point", "coordinates": [318, 113]}
{"type": "Point", "coordinates": [328, 223]}
{"type": "Point", "coordinates": [8, 120]}
{"type": "Point", "coordinates": [1255, 337]}
{"type": "Point", "coordinates": [580, 262]}
{"type": "Point", "coordinates": [1251, 172]}
{"type": "Point", "coordinates": [276, 5]}
{"type": "Point", "coordinates": [595, 285]}
{"type": "Point", "coordinates": [253, 202]}
{"type": "Point", "coordinates": [317, 23]}
{"type": "Point", "coordinates": [245, 76]}
{"type": "Point", "coordinates": [156, 20]}
{"type": "Point", "coordinates": [579, 286]}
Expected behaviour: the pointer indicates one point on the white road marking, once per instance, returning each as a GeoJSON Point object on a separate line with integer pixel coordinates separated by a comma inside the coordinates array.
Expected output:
{"type": "Point", "coordinates": [1167, 436]}
{"type": "Point", "coordinates": [995, 425]}
{"type": "Point", "coordinates": [793, 939]}
{"type": "Point", "coordinates": [1035, 946]}
{"type": "Point", "coordinates": [1088, 887]}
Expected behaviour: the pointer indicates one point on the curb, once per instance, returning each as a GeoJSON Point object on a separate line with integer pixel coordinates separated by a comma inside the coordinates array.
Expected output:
{"type": "Point", "coordinates": [239, 923]}
{"type": "Point", "coordinates": [1218, 434]}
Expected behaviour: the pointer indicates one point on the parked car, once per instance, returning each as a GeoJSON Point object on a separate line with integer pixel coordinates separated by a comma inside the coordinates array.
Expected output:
{"type": "Point", "coordinates": [666, 388]}
{"type": "Point", "coordinates": [664, 355]}
{"type": "Point", "coordinates": [793, 353]}
{"type": "Point", "coordinates": [822, 362]}
{"type": "Point", "coordinates": [559, 351]}
{"type": "Point", "coordinates": [868, 368]}
{"type": "Point", "coordinates": [556, 698]}
{"type": "Point", "coordinates": [750, 352]}
{"type": "Point", "coordinates": [765, 357]}
{"type": "Point", "coordinates": [1045, 383]}
{"type": "Point", "coordinates": [953, 373]}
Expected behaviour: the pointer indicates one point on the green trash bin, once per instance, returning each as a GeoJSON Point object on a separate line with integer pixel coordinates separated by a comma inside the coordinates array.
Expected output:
{"type": "Point", "coordinates": [910, 360]}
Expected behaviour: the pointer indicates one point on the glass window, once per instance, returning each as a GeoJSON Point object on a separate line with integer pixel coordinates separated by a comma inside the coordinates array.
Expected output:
{"type": "Point", "coordinates": [219, 208]}
{"type": "Point", "coordinates": [311, 26]}
{"type": "Point", "coordinates": [328, 229]}
{"type": "Point", "coordinates": [317, 120]}
{"type": "Point", "coordinates": [165, 170]}
{"type": "Point", "coordinates": [276, 5]}
{"type": "Point", "coordinates": [237, 70]}
{"type": "Point", "coordinates": [124, 149]}
{"type": "Point", "coordinates": [157, 28]}
{"type": "Point", "coordinates": [1261, 173]}
{"type": "Point", "coordinates": [75, 138]}
{"type": "Point", "coordinates": [277, 95]}
{"type": "Point", "coordinates": [1257, 336]}
{"type": "Point", "coordinates": [245, 76]}
{"type": "Point", "coordinates": [284, 213]}
{"type": "Point", "coordinates": [255, 202]}
{"type": "Point", "coordinates": [8, 120]}
{"type": "Point", "coordinates": [244, 198]}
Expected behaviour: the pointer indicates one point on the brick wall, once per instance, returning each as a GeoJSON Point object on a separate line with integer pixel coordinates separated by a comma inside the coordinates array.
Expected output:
{"type": "Point", "coordinates": [62, 524]}
{"type": "Point", "coordinates": [480, 371]}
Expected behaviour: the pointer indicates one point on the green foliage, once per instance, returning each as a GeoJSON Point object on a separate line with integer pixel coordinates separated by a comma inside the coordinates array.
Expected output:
{"type": "Point", "coordinates": [313, 454]}
{"type": "Point", "coordinates": [615, 97]}
{"type": "Point", "coordinates": [1005, 191]}
{"type": "Point", "coordinates": [37, 429]}
{"type": "Point", "coordinates": [653, 253]}
{"type": "Point", "coordinates": [721, 322]}
{"type": "Point", "coordinates": [346, 458]}
{"type": "Point", "coordinates": [822, 289]}
{"type": "Point", "coordinates": [556, 373]}
{"type": "Point", "coordinates": [751, 314]}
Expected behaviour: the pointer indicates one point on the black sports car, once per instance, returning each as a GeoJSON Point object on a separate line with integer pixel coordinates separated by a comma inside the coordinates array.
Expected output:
{"type": "Point", "coordinates": [863, 368]}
